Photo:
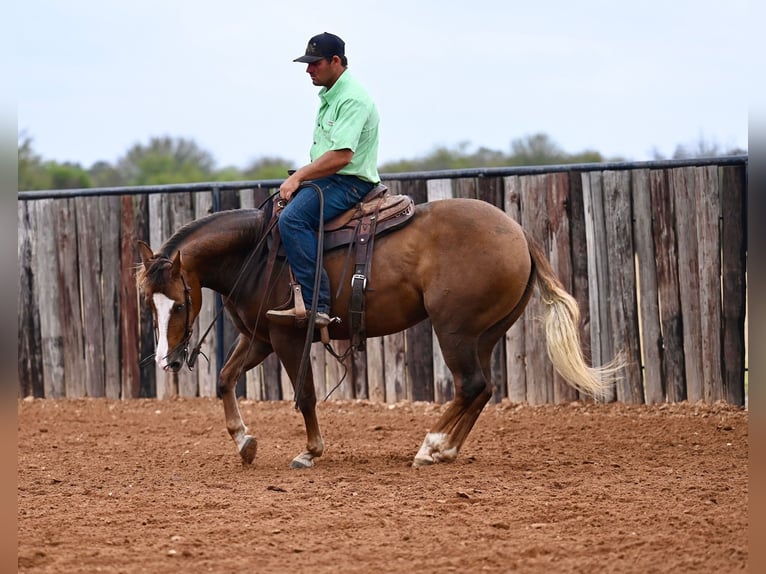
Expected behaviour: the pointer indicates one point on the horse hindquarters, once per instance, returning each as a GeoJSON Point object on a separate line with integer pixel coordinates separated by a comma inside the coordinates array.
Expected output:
{"type": "Point", "coordinates": [480, 281]}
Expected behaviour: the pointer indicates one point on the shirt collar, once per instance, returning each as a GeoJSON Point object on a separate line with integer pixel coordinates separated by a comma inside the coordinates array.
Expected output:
{"type": "Point", "coordinates": [328, 95]}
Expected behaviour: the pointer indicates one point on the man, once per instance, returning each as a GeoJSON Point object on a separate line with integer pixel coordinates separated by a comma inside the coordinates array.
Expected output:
{"type": "Point", "coordinates": [344, 157]}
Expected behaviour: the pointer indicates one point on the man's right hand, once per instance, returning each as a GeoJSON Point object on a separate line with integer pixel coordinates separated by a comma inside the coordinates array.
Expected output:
{"type": "Point", "coordinates": [289, 187]}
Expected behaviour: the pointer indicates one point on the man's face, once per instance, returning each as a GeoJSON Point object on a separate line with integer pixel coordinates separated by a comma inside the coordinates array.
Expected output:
{"type": "Point", "coordinates": [324, 72]}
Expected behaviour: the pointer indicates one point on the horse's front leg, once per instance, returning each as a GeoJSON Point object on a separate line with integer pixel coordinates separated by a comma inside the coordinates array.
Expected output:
{"type": "Point", "coordinates": [247, 354]}
{"type": "Point", "coordinates": [288, 344]}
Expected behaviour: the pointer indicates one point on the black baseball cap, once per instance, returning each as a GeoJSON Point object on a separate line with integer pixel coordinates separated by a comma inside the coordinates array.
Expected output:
{"type": "Point", "coordinates": [323, 46]}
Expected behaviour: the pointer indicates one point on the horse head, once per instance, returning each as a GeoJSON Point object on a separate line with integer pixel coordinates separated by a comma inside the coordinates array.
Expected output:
{"type": "Point", "coordinates": [175, 297]}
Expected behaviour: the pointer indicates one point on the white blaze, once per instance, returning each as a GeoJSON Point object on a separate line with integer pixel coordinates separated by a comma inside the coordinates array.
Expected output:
{"type": "Point", "coordinates": [163, 305]}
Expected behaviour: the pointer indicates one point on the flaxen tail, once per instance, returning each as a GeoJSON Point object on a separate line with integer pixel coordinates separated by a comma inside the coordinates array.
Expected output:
{"type": "Point", "coordinates": [561, 320]}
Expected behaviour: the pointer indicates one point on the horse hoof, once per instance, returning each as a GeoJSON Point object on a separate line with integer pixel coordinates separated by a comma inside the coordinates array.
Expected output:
{"type": "Point", "coordinates": [422, 461]}
{"type": "Point", "coordinates": [304, 460]}
{"type": "Point", "coordinates": [248, 450]}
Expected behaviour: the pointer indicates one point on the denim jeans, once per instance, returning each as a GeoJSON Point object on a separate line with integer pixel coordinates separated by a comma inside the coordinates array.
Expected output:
{"type": "Point", "coordinates": [299, 224]}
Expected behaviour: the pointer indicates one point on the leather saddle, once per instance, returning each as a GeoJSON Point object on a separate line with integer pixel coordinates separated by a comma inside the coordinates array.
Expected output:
{"type": "Point", "coordinates": [380, 209]}
{"type": "Point", "coordinates": [378, 212]}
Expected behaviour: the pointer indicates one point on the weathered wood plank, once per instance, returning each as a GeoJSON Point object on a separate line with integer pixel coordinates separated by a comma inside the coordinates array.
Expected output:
{"type": "Point", "coordinates": [651, 334]}
{"type": "Point", "coordinates": [534, 217]}
{"type": "Point", "coordinates": [111, 271]}
{"type": "Point", "coordinates": [579, 258]}
{"type": "Point", "coordinates": [622, 283]}
{"type": "Point", "coordinates": [376, 381]}
{"type": "Point", "coordinates": [89, 237]}
{"type": "Point", "coordinates": [598, 272]}
{"type": "Point", "coordinates": [498, 372]}
{"type": "Point", "coordinates": [444, 384]}
{"type": "Point", "coordinates": [709, 245]}
{"type": "Point", "coordinates": [148, 380]}
{"type": "Point", "coordinates": [29, 343]}
{"type": "Point", "coordinates": [359, 368]}
{"type": "Point", "coordinates": [682, 181]}
{"type": "Point", "coordinates": [319, 358]}
{"type": "Point", "coordinates": [439, 189]}
{"type": "Point", "coordinates": [130, 375]}
{"type": "Point", "coordinates": [272, 369]}
{"type": "Point", "coordinates": [394, 356]}
{"type": "Point", "coordinates": [339, 374]}
{"type": "Point", "coordinates": [48, 293]}
{"type": "Point", "coordinates": [668, 289]}
{"type": "Point", "coordinates": [419, 342]}
{"type": "Point", "coordinates": [491, 190]}
{"type": "Point", "coordinates": [734, 267]}
{"type": "Point", "coordinates": [560, 256]}
{"type": "Point", "coordinates": [515, 344]}
{"type": "Point", "coordinates": [287, 390]}
{"type": "Point", "coordinates": [465, 187]}
{"type": "Point", "coordinates": [70, 306]}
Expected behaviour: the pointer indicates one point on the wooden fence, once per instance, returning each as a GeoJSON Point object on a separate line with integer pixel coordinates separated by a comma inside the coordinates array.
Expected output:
{"type": "Point", "coordinates": [654, 253]}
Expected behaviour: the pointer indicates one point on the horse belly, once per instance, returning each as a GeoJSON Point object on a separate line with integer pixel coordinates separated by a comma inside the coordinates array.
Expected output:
{"type": "Point", "coordinates": [393, 296]}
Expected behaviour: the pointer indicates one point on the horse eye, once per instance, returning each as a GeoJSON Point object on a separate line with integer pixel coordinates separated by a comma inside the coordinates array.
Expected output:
{"type": "Point", "coordinates": [179, 307]}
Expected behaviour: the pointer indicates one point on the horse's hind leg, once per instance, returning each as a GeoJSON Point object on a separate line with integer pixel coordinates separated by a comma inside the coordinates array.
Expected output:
{"type": "Point", "coordinates": [472, 391]}
{"type": "Point", "coordinates": [246, 355]}
{"type": "Point", "coordinates": [469, 361]}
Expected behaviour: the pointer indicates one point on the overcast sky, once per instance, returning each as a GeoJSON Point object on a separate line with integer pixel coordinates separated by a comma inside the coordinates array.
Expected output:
{"type": "Point", "coordinates": [626, 79]}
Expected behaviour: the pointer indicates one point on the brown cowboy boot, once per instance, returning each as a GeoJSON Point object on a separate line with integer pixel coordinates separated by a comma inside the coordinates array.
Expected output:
{"type": "Point", "coordinates": [291, 317]}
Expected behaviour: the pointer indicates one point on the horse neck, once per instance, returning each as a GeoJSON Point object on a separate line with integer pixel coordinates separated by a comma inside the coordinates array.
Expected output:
{"type": "Point", "coordinates": [219, 253]}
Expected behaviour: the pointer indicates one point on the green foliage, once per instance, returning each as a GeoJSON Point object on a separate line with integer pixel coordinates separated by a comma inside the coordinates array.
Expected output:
{"type": "Point", "coordinates": [165, 160]}
{"type": "Point", "coordinates": [268, 168]}
{"type": "Point", "coordinates": [537, 149]}
{"type": "Point", "coordinates": [67, 176]}
{"type": "Point", "coordinates": [36, 174]}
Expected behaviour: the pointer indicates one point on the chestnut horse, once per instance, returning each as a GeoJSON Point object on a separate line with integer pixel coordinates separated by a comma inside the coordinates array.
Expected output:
{"type": "Point", "coordinates": [463, 263]}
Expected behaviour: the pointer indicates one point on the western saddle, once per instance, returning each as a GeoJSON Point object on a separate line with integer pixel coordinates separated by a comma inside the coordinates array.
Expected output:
{"type": "Point", "coordinates": [378, 212]}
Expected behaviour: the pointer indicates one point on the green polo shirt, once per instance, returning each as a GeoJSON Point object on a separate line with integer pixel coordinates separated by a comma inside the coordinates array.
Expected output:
{"type": "Point", "coordinates": [347, 119]}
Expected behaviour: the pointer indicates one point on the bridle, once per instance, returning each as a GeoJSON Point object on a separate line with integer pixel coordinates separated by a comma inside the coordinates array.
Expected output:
{"type": "Point", "coordinates": [190, 358]}
{"type": "Point", "coordinates": [186, 339]}
{"type": "Point", "coordinates": [188, 328]}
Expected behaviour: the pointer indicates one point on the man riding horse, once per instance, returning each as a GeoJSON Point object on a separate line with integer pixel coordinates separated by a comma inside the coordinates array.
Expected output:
{"type": "Point", "coordinates": [343, 166]}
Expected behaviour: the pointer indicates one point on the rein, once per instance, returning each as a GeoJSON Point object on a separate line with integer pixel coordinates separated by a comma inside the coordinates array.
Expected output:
{"type": "Point", "coordinates": [192, 359]}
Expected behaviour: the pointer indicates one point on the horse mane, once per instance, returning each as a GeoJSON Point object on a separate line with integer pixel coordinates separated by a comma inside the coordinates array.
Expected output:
{"type": "Point", "coordinates": [241, 221]}
{"type": "Point", "coordinates": [220, 219]}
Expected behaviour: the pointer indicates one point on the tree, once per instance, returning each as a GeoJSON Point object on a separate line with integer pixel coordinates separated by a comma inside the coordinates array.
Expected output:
{"type": "Point", "coordinates": [36, 174]}
{"type": "Point", "coordinates": [166, 160]}
{"type": "Point", "coordinates": [104, 174]}
{"type": "Point", "coordinates": [268, 168]}
{"type": "Point", "coordinates": [32, 175]}
{"type": "Point", "coordinates": [537, 149]}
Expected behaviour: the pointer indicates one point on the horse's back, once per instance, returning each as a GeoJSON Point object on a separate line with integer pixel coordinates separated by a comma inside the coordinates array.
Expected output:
{"type": "Point", "coordinates": [455, 254]}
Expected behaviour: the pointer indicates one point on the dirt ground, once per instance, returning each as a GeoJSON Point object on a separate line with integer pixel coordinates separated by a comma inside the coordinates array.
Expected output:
{"type": "Point", "coordinates": [157, 486]}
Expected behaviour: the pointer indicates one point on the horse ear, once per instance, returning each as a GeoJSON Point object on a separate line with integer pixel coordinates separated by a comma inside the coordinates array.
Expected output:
{"type": "Point", "coordinates": [146, 253]}
{"type": "Point", "coordinates": [175, 269]}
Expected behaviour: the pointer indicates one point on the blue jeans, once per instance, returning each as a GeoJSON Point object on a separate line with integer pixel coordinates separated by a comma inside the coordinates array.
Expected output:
{"type": "Point", "coordinates": [299, 224]}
